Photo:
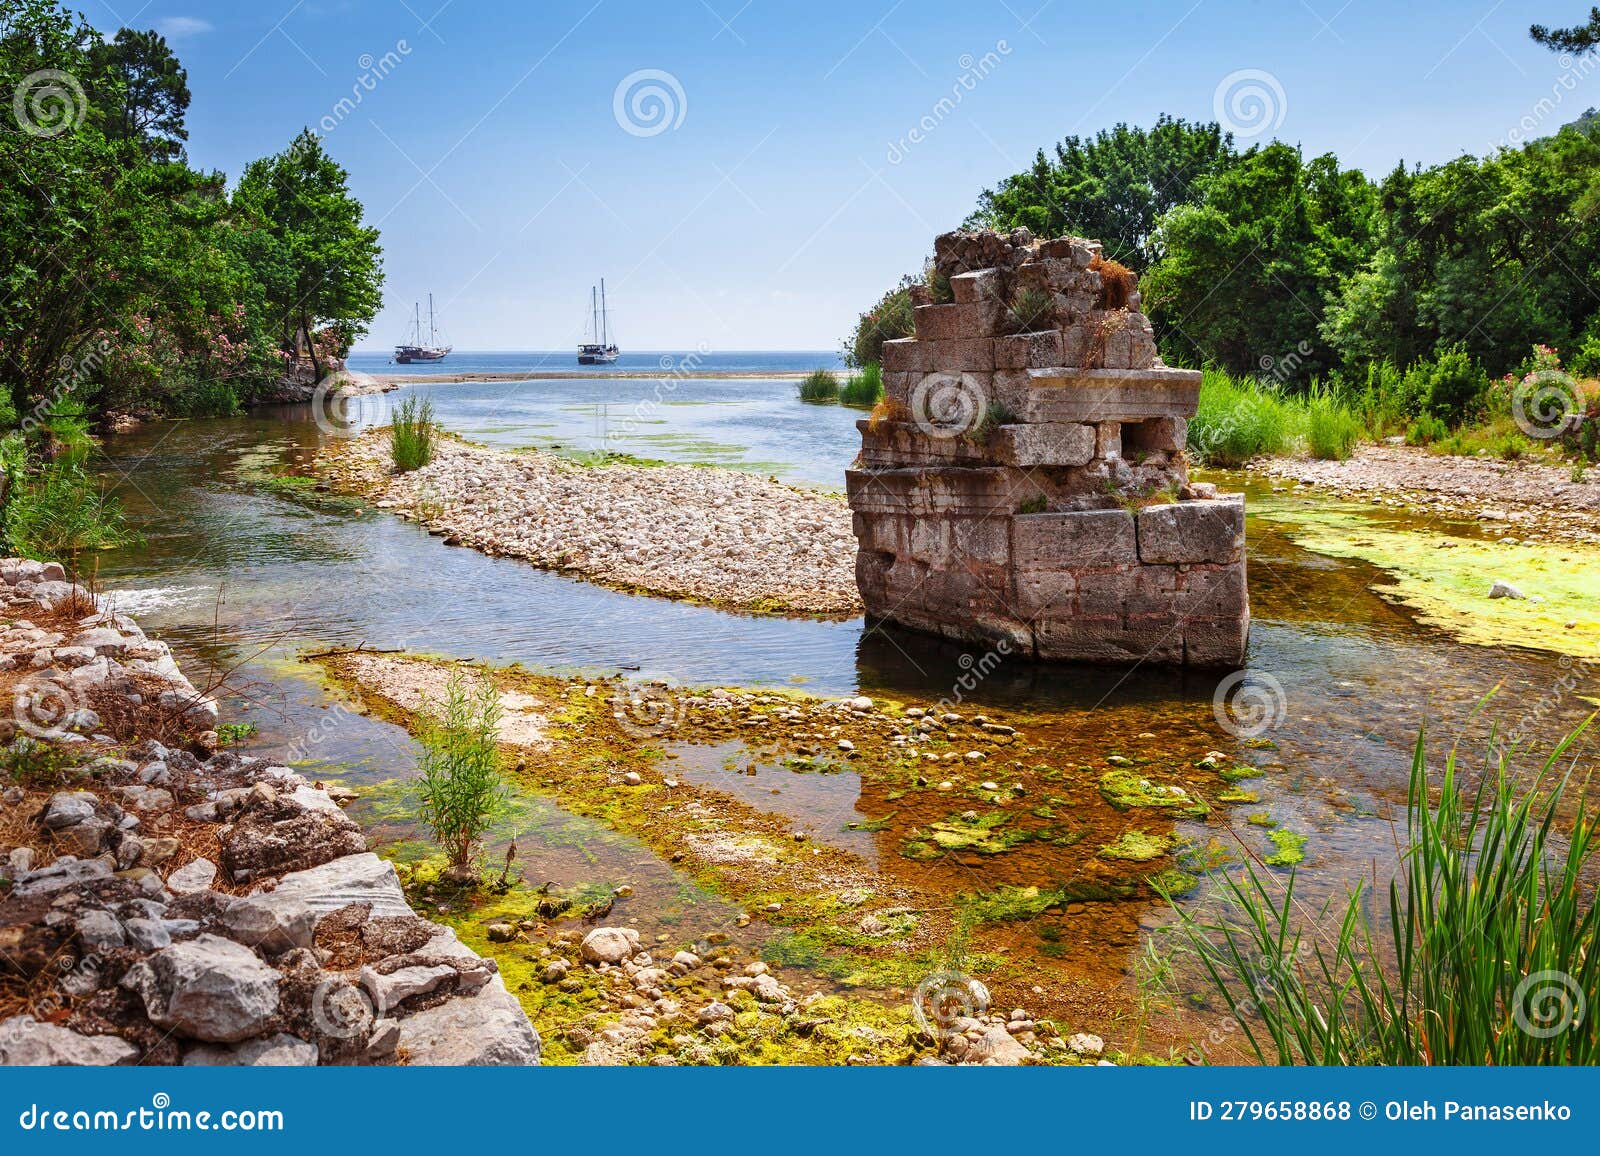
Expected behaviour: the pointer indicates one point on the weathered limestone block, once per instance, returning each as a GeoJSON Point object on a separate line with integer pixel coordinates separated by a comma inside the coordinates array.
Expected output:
{"type": "Point", "coordinates": [1196, 531]}
{"type": "Point", "coordinates": [979, 285]}
{"type": "Point", "coordinates": [1028, 350]}
{"type": "Point", "coordinates": [956, 321]}
{"type": "Point", "coordinates": [1088, 538]}
{"type": "Point", "coordinates": [957, 354]}
{"type": "Point", "coordinates": [1111, 395]}
{"type": "Point", "coordinates": [891, 444]}
{"type": "Point", "coordinates": [1002, 488]}
{"type": "Point", "coordinates": [902, 355]}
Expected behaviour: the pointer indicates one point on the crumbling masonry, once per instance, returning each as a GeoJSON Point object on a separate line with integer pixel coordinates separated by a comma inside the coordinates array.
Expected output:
{"type": "Point", "coordinates": [1024, 478]}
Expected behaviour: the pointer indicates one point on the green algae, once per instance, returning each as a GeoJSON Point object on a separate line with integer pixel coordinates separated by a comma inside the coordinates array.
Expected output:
{"type": "Point", "coordinates": [1261, 819]}
{"type": "Point", "coordinates": [1013, 904]}
{"type": "Point", "coordinates": [1137, 847]}
{"type": "Point", "coordinates": [986, 834]}
{"type": "Point", "coordinates": [1127, 790]}
{"type": "Point", "coordinates": [1239, 774]}
{"type": "Point", "coordinates": [1445, 579]}
{"type": "Point", "coordinates": [1173, 883]}
{"type": "Point", "coordinates": [1291, 849]}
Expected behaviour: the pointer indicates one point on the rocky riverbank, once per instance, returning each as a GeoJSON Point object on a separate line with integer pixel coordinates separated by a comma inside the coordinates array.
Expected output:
{"type": "Point", "coordinates": [708, 535]}
{"type": "Point", "coordinates": [1522, 499]}
{"type": "Point", "coordinates": [164, 903]}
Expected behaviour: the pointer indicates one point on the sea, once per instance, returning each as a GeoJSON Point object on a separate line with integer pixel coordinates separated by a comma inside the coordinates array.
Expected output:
{"type": "Point", "coordinates": [685, 363]}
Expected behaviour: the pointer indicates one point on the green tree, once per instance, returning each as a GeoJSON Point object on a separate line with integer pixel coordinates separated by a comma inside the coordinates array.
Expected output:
{"type": "Point", "coordinates": [1580, 38]}
{"type": "Point", "coordinates": [1113, 187]}
{"type": "Point", "coordinates": [1247, 269]}
{"type": "Point", "coordinates": [143, 92]}
{"type": "Point", "coordinates": [317, 263]}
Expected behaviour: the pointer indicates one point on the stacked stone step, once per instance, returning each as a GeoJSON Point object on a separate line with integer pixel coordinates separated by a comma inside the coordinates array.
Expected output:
{"type": "Point", "coordinates": [1024, 478]}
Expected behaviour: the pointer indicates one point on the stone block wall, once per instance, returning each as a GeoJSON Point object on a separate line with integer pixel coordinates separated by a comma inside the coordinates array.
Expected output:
{"type": "Point", "coordinates": [1025, 479]}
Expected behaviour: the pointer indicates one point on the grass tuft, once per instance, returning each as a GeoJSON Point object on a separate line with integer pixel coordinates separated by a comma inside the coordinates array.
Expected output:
{"type": "Point", "coordinates": [413, 436]}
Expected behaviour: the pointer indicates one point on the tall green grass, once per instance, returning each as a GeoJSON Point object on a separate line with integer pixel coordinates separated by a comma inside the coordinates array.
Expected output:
{"type": "Point", "coordinates": [819, 385]}
{"type": "Point", "coordinates": [413, 436]}
{"type": "Point", "coordinates": [1243, 418]}
{"type": "Point", "coordinates": [864, 388]}
{"type": "Point", "coordinates": [1240, 419]}
{"type": "Point", "coordinates": [1484, 955]}
{"type": "Point", "coordinates": [57, 510]}
{"type": "Point", "coordinates": [1332, 430]}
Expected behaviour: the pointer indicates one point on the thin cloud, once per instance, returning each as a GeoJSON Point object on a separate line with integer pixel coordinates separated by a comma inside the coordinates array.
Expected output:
{"type": "Point", "coordinates": [178, 27]}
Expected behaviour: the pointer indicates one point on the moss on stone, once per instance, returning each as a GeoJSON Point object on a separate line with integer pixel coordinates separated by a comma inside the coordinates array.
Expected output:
{"type": "Point", "coordinates": [1137, 847]}
{"type": "Point", "coordinates": [1128, 790]}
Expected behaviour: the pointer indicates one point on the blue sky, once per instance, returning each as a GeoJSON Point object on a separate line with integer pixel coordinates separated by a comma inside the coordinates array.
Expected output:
{"type": "Point", "coordinates": [497, 147]}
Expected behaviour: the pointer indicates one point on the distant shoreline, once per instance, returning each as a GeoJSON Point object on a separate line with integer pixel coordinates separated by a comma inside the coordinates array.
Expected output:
{"type": "Point", "coordinates": [395, 379]}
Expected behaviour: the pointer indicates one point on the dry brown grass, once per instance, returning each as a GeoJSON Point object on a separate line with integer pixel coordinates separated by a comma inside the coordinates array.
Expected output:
{"type": "Point", "coordinates": [1117, 283]}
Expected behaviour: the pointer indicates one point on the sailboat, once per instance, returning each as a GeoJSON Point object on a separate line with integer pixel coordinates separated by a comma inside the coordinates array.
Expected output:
{"type": "Point", "coordinates": [602, 350]}
{"type": "Point", "coordinates": [415, 349]}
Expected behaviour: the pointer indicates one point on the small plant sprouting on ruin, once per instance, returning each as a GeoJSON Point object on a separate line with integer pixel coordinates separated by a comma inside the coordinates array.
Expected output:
{"type": "Point", "coordinates": [460, 792]}
{"type": "Point", "coordinates": [1117, 283]}
{"type": "Point", "coordinates": [995, 415]}
{"type": "Point", "coordinates": [1034, 505]}
{"type": "Point", "coordinates": [1031, 309]}
{"type": "Point", "coordinates": [413, 436]}
{"type": "Point", "coordinates": [938, 283]}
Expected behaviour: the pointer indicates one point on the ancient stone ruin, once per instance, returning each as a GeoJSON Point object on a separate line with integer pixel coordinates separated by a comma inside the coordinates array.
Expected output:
{"type": "Point", "coordinates": [1024, 481]}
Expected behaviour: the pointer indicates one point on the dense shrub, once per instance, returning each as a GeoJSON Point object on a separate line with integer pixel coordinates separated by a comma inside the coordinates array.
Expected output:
{"type": "Point", "coordinates": [1450, 387]}
{"type": "Point", "coordinates": [459, 791]}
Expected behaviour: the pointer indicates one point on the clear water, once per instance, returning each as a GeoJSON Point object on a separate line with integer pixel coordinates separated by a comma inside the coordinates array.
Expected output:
{"type": "Point", "coordinates": [750, 424]}
{"type": "Point", "coordinates": [242, 577]}
{"type": "Point", "coordinates": [630, 361]}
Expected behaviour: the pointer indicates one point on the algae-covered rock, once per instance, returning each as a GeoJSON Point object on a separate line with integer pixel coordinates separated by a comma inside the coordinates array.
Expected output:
{"type": "Point", "coordinates": [1126, 790]}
